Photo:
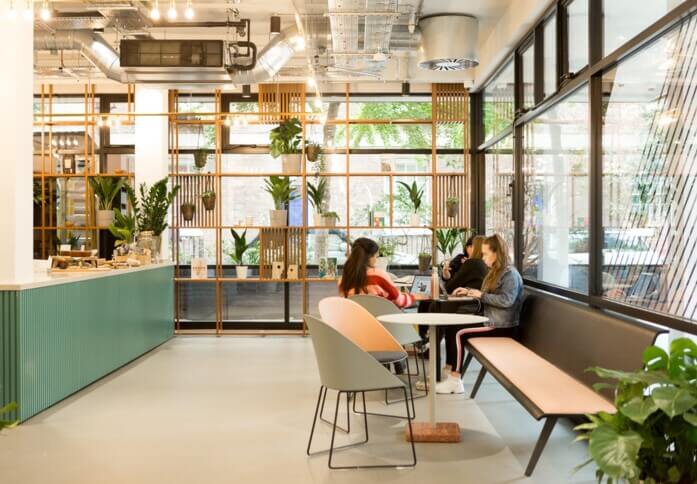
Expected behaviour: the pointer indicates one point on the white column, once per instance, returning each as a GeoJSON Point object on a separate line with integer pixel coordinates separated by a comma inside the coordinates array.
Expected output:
{"type": "Point", "coordinates": [16, 97]}
{"type": "Point", "coordinates": [152, 141]}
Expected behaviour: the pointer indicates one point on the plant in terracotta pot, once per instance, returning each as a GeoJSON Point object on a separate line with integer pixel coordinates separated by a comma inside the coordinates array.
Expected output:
{"type": "Point", "coordinates": [312, 151]}
{"type": "Point", "coordinates": [285, 142]}
{"type": "Point", "coordinates": [329, 219]}
{"type": "Point", "coordinates": [282, 191]}
{"type": "Point", "coordinates": [208, 198]}
{"type": "Point", "coordinates": [452, 206]}
{"type": "Point", "coordinates": [415, 195]}
{"type": "Point", "coordinates": [652, 438]}
{"type": "Point", "coordinates": [106, 189]}
{"type": "Point", "coordinates": [237, 255]}
{"type": "Point", "coordinates": [188, 209]}
{"type": "Point", "coordinates": [200, 158]}
{"type": "Point", "coordinates": [317, 193]}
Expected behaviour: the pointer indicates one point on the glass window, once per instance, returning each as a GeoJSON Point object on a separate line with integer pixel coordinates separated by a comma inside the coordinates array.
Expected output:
{"type": "Point", "coordinates": [649, 177]}
{"type": "Point", "coordinates": [121, 131]}
{"type": "Point", "coordinates": [528, 60]}
{"type": "Point", "coordinates": [550, 59]}
{"type": "Point", "coordinates": [391, 107]}
{"type": "Point", "coordinates": [498, 100]}
{"type": "Point", "coordinates": [555, 170]}
{"type": "Point", "coordinates": [623, 19]}
{"type": "Point", "coordinates": [498, 180]}
{"type": "Point", "coordinates": [577, 23]}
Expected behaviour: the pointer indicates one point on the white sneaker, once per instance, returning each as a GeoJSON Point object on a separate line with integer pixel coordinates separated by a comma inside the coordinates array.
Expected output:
{"type": "Point", "coordinates": [421, 386]}
{"type": "Point", "coordinates": [452, 385]}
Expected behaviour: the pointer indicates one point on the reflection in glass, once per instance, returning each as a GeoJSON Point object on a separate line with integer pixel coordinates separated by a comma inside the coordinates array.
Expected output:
{"type": "Point", "coordinates": [555, 169]}
{"type": "Point", "coordinates": [498, 101]}
{"type": "Point", "coordinates": [577, 24]}
{"type": "Point", "coordinates": [528, 61]}
{"type": "Point", "coordinates": [649, 176]}
{"type": "Point", "coordinates": [498, 180]}
{"type": "Point", "coordinates": [550, 56]}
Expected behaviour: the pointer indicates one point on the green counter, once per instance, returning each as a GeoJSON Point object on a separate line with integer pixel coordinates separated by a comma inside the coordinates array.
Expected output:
{"type": "Point", "coordinates": [60, 337]}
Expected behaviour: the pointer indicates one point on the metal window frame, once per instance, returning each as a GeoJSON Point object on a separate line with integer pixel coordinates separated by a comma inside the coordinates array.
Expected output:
{"type": "Point", "coordinates": [591, 75]}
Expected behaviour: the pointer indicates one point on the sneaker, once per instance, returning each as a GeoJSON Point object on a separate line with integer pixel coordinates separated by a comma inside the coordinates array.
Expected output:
{"type": "Point", "coordinates": [452, 385]}
{"type": "Point", "coordinates": [421, 385]}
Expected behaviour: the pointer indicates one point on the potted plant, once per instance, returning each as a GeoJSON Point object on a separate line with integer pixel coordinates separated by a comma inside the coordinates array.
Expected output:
{"type": "Point", "coordinates": [415, 195]}
{"type": "Point", "coordinates": [312, 151]}
{"type": "Point", "coordinates": [200, 158]}
{"type": "Point", "coordinates": [329, 219]}
{"type": "Point", "coordinates": [452, 206]}
{"type": "Point", "coordinates": [652, 438]}
{"type": "Point", "coordinates": [424, 261]}
{"type": "Point", "coordinates": [446, 240]}
{"type": "Point", "coordinates": [285, 142]}
{"type": "Point", "coordinates": [151, 214]}
{"type": "Point", "coordinates": [317, 195]}
{"type": "Point", "coordinates": [237, 255]}
{"type": "Point", "coordinates": [106, 188]}
{"type": "Point", "coordinates": [123, 229]}
{"type": "Point", "coordinates": [386, 249]}
{"type": "Point", "coordinates": [282, 192]}
{"type": "Point", "coordinates": [208, 198]}
{"type": "Point", "coordinates": [188, 209]}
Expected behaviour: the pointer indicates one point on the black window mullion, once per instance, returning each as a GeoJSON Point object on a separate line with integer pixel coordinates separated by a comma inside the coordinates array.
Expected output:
{"type": "Point", "coordinates": [539, 66]}
{"type": "Point", "coordinates": [595, 255]}
{"type": "Point", "coordinates": [595, 31]}
{"type": "Point", "coordinates": [562, 41]}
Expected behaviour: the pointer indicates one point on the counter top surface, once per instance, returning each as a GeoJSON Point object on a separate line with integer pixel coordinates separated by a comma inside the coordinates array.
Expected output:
{"type": "Point", "coordinates": [44, 279]}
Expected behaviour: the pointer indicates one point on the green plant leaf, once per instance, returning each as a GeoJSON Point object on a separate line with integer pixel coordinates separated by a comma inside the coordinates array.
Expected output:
{"type": "Point", "coordinates": [615, 453]}
{"type": "Point", "coordinates": [690, 418]}
{"type": "Point", "coordinates": [655, 358]}
{"type": "Point", "coordinates": [639, 409]}
{"type": "Point", "coordinates": [673, 400]}
{"type": "Point", "coordinates": [684, 346]}
{"type": "Point", "coordinates": [674, 474]}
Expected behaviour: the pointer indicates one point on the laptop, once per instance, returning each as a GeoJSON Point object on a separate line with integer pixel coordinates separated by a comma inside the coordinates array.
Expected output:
{"type": "Point", "coordinates": [422, 286]}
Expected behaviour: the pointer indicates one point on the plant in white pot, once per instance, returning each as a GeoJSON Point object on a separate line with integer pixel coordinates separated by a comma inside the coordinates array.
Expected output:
{"type": "Point", "coordinates": [106, 188]}
{"type": "Point", "coordinates": [282, 191]}
{"type": "Point", "coordinates": [386, 250]}
{"type": "Point", "coordinates": [285, 142]}
{"type": "Point", "coordinates": [238, 252]}
{"type": "Point", "coordinates": [415, 195]}
{"type": "Point", "coordinates": [317, 195]}
{"type": "Point", "coordinates": [329, 219]}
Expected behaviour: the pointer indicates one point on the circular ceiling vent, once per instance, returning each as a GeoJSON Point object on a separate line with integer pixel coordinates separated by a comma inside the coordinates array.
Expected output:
{"type": "Point", "coordinates": [449, 42]}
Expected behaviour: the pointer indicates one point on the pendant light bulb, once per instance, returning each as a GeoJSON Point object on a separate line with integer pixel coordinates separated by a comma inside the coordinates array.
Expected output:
{"type": "Point", "coordinates": [155, 12]}
{"type": "Point", "coordinates": [172, 11]}
{"type": "Point", "coordinates": [189, 12]}
{"type": "Point", "coordinates": [29, 10]}
{"type": "Point", "coordinates": [45, 12]}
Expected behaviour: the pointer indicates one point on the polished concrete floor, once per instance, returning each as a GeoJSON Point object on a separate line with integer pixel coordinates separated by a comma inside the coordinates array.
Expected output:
{"type": "Point", "coordinates": [238, 410]}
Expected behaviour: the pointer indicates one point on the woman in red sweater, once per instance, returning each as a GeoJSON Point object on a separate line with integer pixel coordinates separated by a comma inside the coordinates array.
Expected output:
{"type": "Point", "coordinates": [360, 276]}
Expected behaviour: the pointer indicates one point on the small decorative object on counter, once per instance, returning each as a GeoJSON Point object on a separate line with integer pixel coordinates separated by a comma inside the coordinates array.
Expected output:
{"type": "Point", "coordinates": [452, 206]}
{"type": "Point", "coordinates": [188, 210]}
{"type": "Point", "coordinates": [145, 247]}
{"type": "Point", "coordinates": [199, 268]}
{"type": "Point", "coordinates": [277, 269]}
{"type": "Point", "coordinates": [208, 198]}
{"type": "Point", "coordinates": [292, 272]}
{"type": "Point", "coordinates": [424, 261]}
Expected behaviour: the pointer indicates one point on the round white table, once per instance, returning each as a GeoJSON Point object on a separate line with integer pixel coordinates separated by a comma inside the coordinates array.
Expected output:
{"type": "Point", "coordinates": [433, 431]}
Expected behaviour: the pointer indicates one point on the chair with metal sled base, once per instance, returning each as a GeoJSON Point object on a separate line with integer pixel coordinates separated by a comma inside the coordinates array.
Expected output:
{"type": "Point", "coordinates": [346, 368]}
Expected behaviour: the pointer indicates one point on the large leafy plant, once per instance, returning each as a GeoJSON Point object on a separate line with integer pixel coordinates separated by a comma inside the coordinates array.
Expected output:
{"type": "Point", "coordinates": [286, 138]}
{"type": "Point", "coordinates": [281, 190]}
{"type": "Point", "coordinates": [154, 203]}
{"type": "Point", "coordinates": [317, 194]}
{"type": "Point", "coordinates": [414, 193]}
{"type": "Point", "coordinates": [447, 240]}
{"type": "Point", "coordinates": [652, 438]}
{"type": "Point", "coordinates": [241, 246]}
{"type": "Point", "coordinates": [124, 226]}
{"type": "Point", "coordinates": [106, 188]}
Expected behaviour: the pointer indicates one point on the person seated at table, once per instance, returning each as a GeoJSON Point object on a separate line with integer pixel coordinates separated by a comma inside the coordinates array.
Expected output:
{"type": "Point", "coordinates": [361, 277]}
{"type": "Point", "coordinates": [501, 297]}
{"type": "Point", "coordinates": [471, 271]}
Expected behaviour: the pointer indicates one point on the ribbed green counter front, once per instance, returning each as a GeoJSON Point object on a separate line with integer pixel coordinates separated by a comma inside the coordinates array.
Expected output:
{"type": "Point", "coordinates": [58, 339]}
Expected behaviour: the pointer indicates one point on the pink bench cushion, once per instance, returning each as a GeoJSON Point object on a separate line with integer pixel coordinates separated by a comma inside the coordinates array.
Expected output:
{"type": "Point", "coordinates": [549, 388]}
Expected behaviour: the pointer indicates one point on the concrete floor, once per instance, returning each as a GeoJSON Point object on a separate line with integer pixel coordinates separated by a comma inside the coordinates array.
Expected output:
{"type": "Point", "coordinates": [238, 410]}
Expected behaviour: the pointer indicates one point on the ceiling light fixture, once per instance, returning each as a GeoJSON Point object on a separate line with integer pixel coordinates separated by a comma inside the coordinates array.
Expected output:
{"type": "Point", "coordinates": [45, 12]}
{"type": "Point", "coordinates": [246, 91]}
{"type": "Point", "coordinates": [29, 10]}
{"type": "Point", "coordinates": [172, 11]}
{"type": "Point", "coordinates": [155, 12]}
{"type": "Point", "coordinates": [406, 89]}
{"type": "Point", "coordinates": [275, 25]}
{"type": "Point", "coordinates": [189, 12]}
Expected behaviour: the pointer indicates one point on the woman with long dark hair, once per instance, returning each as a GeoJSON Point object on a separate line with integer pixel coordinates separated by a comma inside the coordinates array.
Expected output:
{"type": "Point", "coordinates": [361, 277]}
{"type": "Point", "coordinates": [501, 297]}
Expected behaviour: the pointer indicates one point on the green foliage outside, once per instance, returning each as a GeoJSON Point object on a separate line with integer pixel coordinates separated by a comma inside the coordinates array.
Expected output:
{"type": "Point", "coordinates": [653, 437]}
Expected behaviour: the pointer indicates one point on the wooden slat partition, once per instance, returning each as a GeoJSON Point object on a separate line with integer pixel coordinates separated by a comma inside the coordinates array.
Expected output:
{"type": "Point", "coordinates": [452, 186]}
{"type": "Point", "coordinates": [191, 188]}
{"type": "Point", "coordinates": [281, 101]}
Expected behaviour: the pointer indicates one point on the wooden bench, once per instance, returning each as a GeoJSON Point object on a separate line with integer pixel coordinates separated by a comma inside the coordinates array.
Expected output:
{"type": "Point", "coordinates": [545, 369]}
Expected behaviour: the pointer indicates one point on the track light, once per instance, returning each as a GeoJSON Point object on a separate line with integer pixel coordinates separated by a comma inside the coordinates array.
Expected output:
{"type": "Point", "coordinates": [172, 11]}
{"type": "Point", "coordinates": [189, 12]}
{"type": "Point", "coordinates": [406, 89]}
{"type": "Point", "coordinates": [155, 12]}
{"type": "Point", "coordinates": [45, 12]}
{"type": "Point", "coordinates": [246, 91]}
{"type": "Point", "coordinates": [275, 25]}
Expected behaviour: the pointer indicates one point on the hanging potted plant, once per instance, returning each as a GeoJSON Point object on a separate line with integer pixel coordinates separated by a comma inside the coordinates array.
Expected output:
{"type": "Point", "coordinates": [285, 141]}
{"type": "Point", "coordinates": [317, 195]}
{"type": "Point", "coordinates": [106, 188]}
{"type": "Point", "coordinates": [424, 261]}
{"type": "Point", "coordinates": [652, 438]}
{"type": "Point", "coordinates": [329, 219]}
{"type": "Point", "coordinates": [452, 206]}
{"type": "Point", "coordinates": [282, 192]}
{"type": "Point", "coordinates": [415, 195]}
{"type": "Point", "coordinates": [312, 151]}
{"type": "Point", "coordinates": [237, 255]}
{"type": "Point", "coordinates": [188, 209]}
{"type": "Point", "coordinates": [200, 158]}
{"type": "Point", "coordinates": [208, 199]}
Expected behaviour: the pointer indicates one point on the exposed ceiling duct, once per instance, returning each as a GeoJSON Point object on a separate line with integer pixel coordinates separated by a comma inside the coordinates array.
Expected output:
{"type": "Point", "coordinates": [449, 42]}
{"type": "Point", "coordinates": [269, 61]}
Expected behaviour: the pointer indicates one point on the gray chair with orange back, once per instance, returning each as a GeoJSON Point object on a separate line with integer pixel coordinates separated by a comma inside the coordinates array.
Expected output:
{"type": "Point", "coordinates": [346, 368]}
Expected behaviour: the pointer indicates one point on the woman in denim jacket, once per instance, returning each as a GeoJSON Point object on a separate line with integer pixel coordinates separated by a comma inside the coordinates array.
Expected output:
{"type": "Point", "coordinates": [501, 297]}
